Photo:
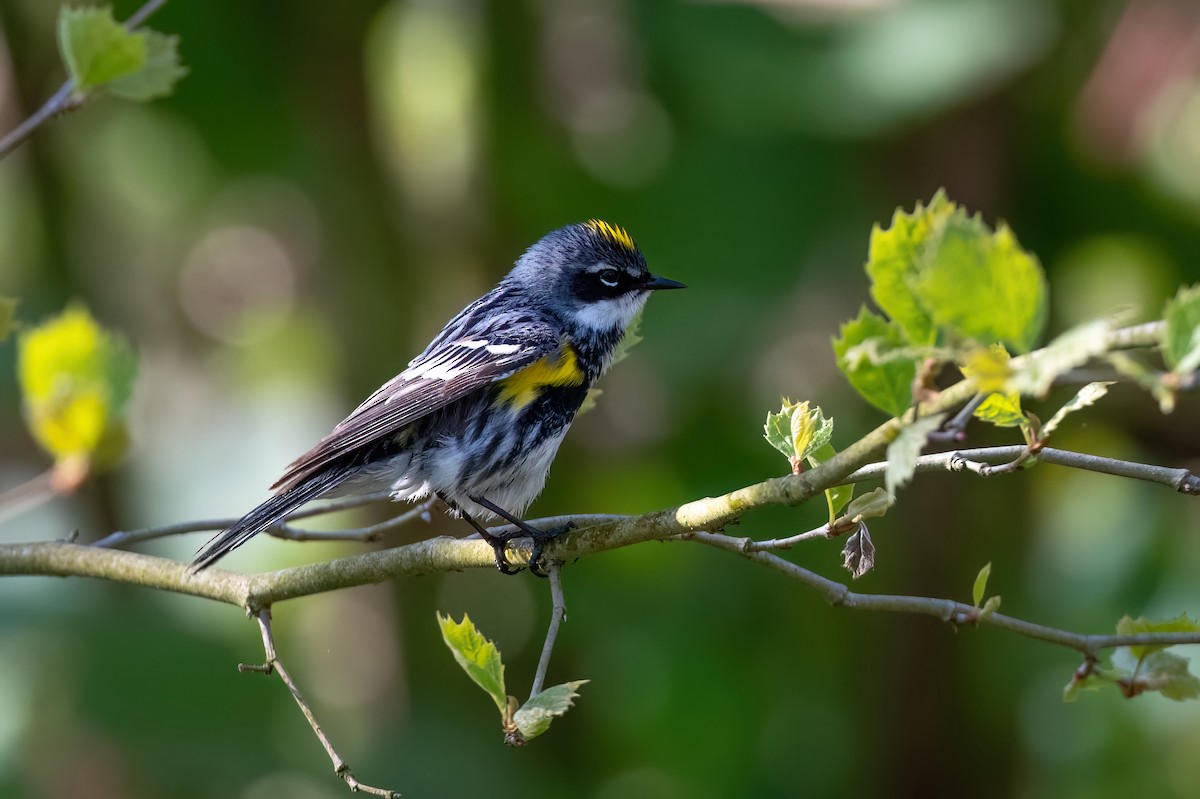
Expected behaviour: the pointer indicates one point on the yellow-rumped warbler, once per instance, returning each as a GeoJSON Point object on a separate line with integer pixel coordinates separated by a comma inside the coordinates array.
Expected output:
{"type": "Point", "coordinates": [476, 419]}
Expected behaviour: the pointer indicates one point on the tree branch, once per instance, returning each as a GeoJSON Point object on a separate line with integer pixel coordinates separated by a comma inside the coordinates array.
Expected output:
{"type": "Point", "coordinates": [558, 612]}
{"type": "Point", "coordinates": [948, 610]}
{"type": "Point", "coordinates": [65, 99]}
{"type": "Point", "coordinates": [272, 663]}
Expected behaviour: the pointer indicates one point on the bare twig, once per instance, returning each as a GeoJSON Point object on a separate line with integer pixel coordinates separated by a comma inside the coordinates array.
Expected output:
{"type": "Point", "coordinates": [126, 538]}
{"type": "Point", "coordinates": [956, 613]}
{"type": "Point", "coordinates": [750, 545]}
{"type": "Point", "coordinates": [557, 613]}
{"type": "Point", "coordinates": [271, 664]}
{"type": "Point", "coordinates": [65, 99]}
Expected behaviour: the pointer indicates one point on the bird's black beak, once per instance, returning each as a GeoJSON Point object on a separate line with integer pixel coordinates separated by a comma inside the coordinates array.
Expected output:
{"type": "Point", "coordinates": [659, 283]}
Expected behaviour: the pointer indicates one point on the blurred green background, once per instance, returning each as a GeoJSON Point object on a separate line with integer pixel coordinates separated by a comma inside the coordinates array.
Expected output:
{"type": "Point", "coordinates": [334, 180]}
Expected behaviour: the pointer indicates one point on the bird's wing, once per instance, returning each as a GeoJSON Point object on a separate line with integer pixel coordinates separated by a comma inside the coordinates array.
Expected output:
{"type": "Point", "coordinates": [439, 376]}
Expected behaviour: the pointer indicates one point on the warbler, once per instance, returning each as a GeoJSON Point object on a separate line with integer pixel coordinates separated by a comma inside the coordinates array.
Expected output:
{"type": "Point", "coordinates": [477, 418]}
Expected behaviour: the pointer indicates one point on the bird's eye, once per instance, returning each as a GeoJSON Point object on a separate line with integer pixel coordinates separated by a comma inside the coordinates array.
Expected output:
{"type": "Point", "coordinates": [610, 277]}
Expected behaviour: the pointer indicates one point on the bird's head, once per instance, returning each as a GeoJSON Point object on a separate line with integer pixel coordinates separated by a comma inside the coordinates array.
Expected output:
{"type": "Point", "coordinates": [590, 275]}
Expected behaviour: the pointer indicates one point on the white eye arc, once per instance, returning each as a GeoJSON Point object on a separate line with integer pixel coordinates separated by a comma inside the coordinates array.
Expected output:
{"type": "Point", "coordinates": [609, 277]}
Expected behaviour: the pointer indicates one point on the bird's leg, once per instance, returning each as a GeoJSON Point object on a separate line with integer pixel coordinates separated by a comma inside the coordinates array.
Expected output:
{"type": "Point", "coordinates": [539, 537]}
{"type": "Point", "coordinates": [497, 543]}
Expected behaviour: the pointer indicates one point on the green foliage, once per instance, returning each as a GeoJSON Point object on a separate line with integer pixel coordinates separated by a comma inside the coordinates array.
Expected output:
{"type": "Point", "coordinates": [1088, 395]}
{"type": "Point", "coordinates": [953, 289]}
{"type": "Point", "coordinates": [1073, 348]}
{"type": "Point", "coordinates": [990, 368]}
{"type": "Point", "coordinates": [1181, 334]}
{"type": "Point", "coordinates": [981, 286]}
{"type": "Point", "coordinates": [1141, 668]}
{"type": "Point", "coordinates": [535, 716]}
{"type": "Point", "coordinates": [158, 76]}
{"type": "Point", "coordinates": [836, 497]}
{"type": "Point", "coordinates": [801, 433]}
{"type": "Point", "coordinates": [861, 348]}
{"type": "Point", "coordinates": [480, 659]}
{"type": "Point", "coordinates": [902, 454]}
{"type": "Point", "coordinates": [100, 53]}
{"type": "Point", "coordinates": [477, 656]}
{"type": "Point", "coordinates": [981, 580]}
{"type": "Point", "coordinates": [938, 272]}
{"type": "Point", "coordinates": [76, 380]}
{"type": "Point", "coordinates": [797, 430]}
{"type": "Point", "coordinates": [631, 339]}
{"type": "Point", "coordinates": [8, 310]}
{"type": "Point", "coordinates": [96, 48]}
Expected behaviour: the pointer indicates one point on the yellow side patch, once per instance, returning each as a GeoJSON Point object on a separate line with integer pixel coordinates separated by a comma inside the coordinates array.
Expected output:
{"type": "Point", "coordinates": [557, 369]}
{"type": "Point", "coordinates": [614, 233]}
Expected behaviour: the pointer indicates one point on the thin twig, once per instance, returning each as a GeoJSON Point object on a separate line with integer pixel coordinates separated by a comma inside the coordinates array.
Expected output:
{"type": "Point", "coordinates": [948, 610]}
{"type": "Point", "coordinates": [750, 545]}
{"type": "Point", "coordinates": [274, 664]}
{"type": "Point", "coordinates": [955, 429]}
{"type": "Point", "coordinates": [126, 538]}
{"type": "Point", "coordinates": [558, 612]}
{"type": "Point", "coordinates": [65, 99]}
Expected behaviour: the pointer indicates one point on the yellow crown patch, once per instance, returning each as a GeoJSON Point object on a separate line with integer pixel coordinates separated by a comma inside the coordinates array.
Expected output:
{"type": "Point", "coordinates": [614, 233]}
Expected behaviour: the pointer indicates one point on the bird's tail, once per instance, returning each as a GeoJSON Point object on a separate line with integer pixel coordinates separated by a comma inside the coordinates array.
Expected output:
{"type": "Point", "coordinates": [265, 515]}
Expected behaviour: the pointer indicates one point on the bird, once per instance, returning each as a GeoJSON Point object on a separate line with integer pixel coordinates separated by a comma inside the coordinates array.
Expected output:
{"type": "Point", "coordinates": [476, 419]}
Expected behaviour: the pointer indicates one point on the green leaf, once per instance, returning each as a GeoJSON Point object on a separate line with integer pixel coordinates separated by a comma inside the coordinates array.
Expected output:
{"type": "Point", "coordinates": [982, 286]}
{"type": "Point", "coordinates": [981, 581]}
{"type": "Point", "coordinates": [1088, 395]}
{"type": "Point", "coordinates": [96, 49]}
{"type": "Point", "coordinates": [836, 497]}
{"type": "Point", "coordinates": [535, 716]}
{"type": "Point", "coordinates": [1181, 333]}
{"type": "Point", "coordinates": [1002, 410]}
{"type": "Point", "coordinates": [478, 657]}
{"type": "Point", "coordinates": [894, 262]}
{"type": "Point", "coordinates": [1145, 377]}
{"type": "Point", "coordinates": [871, 505]}
{"type": "Point", "coordinates": [860, 347]}
{"type": "Point", "coordinates": [991, 606]}
{"type": "Point", "coordinates": [990, 368]}
{"type": "Point", "coordinates": [1130, 626]}
{"type": "Point", "coordinates": [8, 312]}
{"type": "Point", "coordinates": [158, 75]}
{"type": "Point", "coordinates": [902, 454]}
{"type": "Point", "coordinates": [76, 380]}
{"type": "Point", "coordinates": [1073, 348]}
{"type": "Point", "coordinates": [797, 430]}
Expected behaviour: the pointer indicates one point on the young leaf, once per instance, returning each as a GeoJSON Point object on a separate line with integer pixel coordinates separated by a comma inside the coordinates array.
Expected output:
{"type": "Point", "coordinates": [894, 262]}
{"type": "Point", "coordinates": [902, 454]}
{"type": "Point", "coordinates": [797, 430]}
{"type": "Point", "coordinates": [1181, 333]}
{"type": "Point", "coordinates": [1002, 410]}
{"type": "Point", "coordinates": [886, 384]}
{"type": "Point", "coordinates": [76, 380]}
{"type": "Point", "coordinates": [1145, 377]}
{"type": "Point", "coordinates": [982, 286]}
{"type": "Point", "coordinates": [535, 716]}
{"type": "Point", "coordinates": [858, 555]}
{"type": "Point", "coordinates": [836, 497]}
{"type": "Point", "coordinates": [871, 505]}
{"type": "Point", "coordinates": [981, 581]}
{"type": "Point", "coordinates": [8, 311]}
{"type": "Point", "coordinates": [1130, 626]}
{"type": "Point", "coordinates": [989, 367]}
{"type": "Point", "coordinates": [1071, 349]}
{"type": "Point", "coordinates": [1088, 395]}
{"type": "Point", "coordinates": [96, 49]}
{"type": "Point", "coordinates": [158, 75]}
{"type": "Point", "coordinates": [478, 657]}
{"type": "Point", "coordinates": [631, 339]}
